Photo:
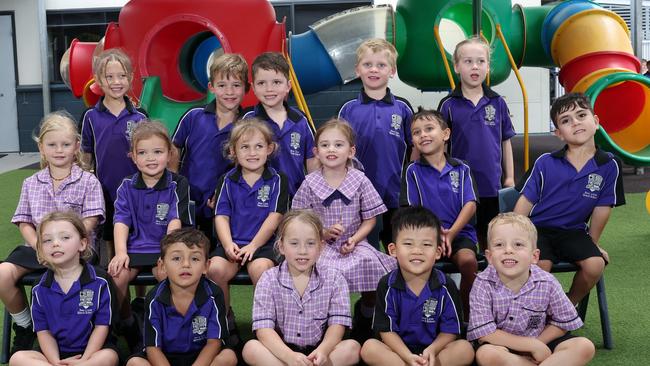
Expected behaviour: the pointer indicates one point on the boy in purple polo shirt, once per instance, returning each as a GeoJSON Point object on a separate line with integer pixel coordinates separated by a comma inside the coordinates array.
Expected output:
{"type": "Point", "coordinates": [519, 313]}
{"type": "Point", "coordinates": [202, 132]}
{"type": "Point", "coordinates": [293, 135]}
{"type": "Point", "coordinates": [445, 186]}
{"type": "Point", "coordinates": [382, 123]}
{"type": "Point", "coordinates": [418, 315]}
{"type": "Point", "coordinates": [185, 320]}
{"type": "Point", "coordinates": [569, 188]}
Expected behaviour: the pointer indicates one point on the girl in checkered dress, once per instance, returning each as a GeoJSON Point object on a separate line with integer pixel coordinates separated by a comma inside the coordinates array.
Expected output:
{"type": "Point", "coordinates": [347, 203]}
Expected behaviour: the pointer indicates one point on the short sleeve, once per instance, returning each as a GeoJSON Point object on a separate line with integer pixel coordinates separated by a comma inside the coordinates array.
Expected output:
{"type": "Point", "coordinates": [23, 210]}
{"type": "Point", "coordinates": [123, 205]}
{"type": "Point", "coordinates": [263, 302]}
{"type": "Point", "coordinates": [612, 193]}
{"type": "Point", "coordinates": [183, 129]}
{"type": "Point", "coordinates": [217, 326]}
{"type": "Point", "coordinates": [87, 135]}
{"type": "Point", "coordinates": [385, 318]}
{"type": "Point", "coordinates": [561, 312]}
{"type": "Point", "coordinates": [301, 198]}
{"type": "Point", "coordinates": [223, 204]}
{"type": "Point", "coordinates": [309, 141]}
{"type": "Point", "coordinates": [407, 119]}
{"type": "Point", "coordinates": [152, 330]}
{"type": "Point", "coordinates": [469, 185]}
{"type": "Point", "coordinates": [281, 194]}
{"type": "Point", "coordinates": [183, 195]}
{"type": "Point", "coordinates": [339, 306]}
{"type": "Point", "coordinates": [39, 319]}
{"type": "Point", "coordinates": [371, 203]}
{"type": "Point", "coordinates": [105, 300]}
{"type": "Point", "coordinates": [481, 320]}
{"type": "Point", "coordinates": [452, 314]}
{"type": "Point", "coordinates": [410, 194]}
{"type": "Point", "coordinates": [507, 130]}
{"type": "Point", "coordinates": [532, 186]}
{"type": "Point", "coordinates": [94, 199]}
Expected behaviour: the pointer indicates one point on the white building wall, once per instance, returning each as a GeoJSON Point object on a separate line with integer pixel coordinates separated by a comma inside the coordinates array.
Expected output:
{"type": "Point", "coordinates": [27, 43]}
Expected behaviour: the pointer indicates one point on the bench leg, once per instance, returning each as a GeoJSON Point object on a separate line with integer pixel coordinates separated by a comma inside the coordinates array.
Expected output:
{"type": "Point", "coordinates": [604, 314]}
{"type": "Point", "coordinates": [6, 338]}
{"type": "Point", "coordinates": [582, 307]}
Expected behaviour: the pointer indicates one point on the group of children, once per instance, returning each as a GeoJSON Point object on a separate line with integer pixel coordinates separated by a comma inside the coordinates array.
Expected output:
{"type": "Point", "coordinates": [304, 215]}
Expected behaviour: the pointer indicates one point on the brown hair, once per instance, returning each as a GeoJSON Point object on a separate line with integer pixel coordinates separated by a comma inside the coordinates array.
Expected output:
{"type": "Point", "coordinates": [307, 217]}
{"type": "Point", "coordinates": [189, 236]}
{"type": "Point", "coordinates": [271, 61]}
{"type": "Point", "coordinates": [244, 127]}
{"type": "Point", "coordinates": [230, 65]}
{"type": "Point", "coordinates": [378, 45]}
{"type": "Point", "coordinates": [338, 124]}
{"type": "Point", "coordinates": [475, 40]}
{"type": "Point", "coordinates": [112, 54]}
{"type": "Point", "coordinates": [569, 102]}
{"type": "Point", "coordinates": [59, 121]}
{"type": "Point", "coordinates": [430, 115]}
{"type": "Point", "coordinates": [146, 129]}
{"type": "Point", "coordinates": [520, 221]}
{"type": "Point", "coordinates": [73, 219]}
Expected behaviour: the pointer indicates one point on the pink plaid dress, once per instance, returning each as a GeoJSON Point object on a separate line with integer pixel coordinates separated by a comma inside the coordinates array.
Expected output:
{"type": "Point", "coordinates": [355, 200]}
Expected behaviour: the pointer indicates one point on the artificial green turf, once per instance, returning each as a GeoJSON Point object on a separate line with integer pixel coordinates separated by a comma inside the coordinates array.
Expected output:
{"type": "Point", "coordinates": [626, 238]}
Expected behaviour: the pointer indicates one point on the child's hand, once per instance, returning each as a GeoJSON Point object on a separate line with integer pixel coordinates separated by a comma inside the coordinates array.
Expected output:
{"type": "Point", "coordinates": [447, 238]}
{"type": "Point", "coordinates": [604, 253]}
{"type": "Point", "coordinates": [232, 252]}
{"type": "Point", "coordinates": [334, 232]}
{"type": "Point", "coordinates": [76, 359]}
{"type": "Point", "coordinates": [211, 202]}
{"type": "Point", "coordinates": [416, 360]}
{"type": "Point", "coordinates": [430, 356]}
{"type": "Point", "coordinates": [348, 246]}
{"type": "Point", "coordinates": [118, 263]}
{"type": "Point", "coordinates": [298, 359]}
{"type": "Point", "coordinates": [245, 254]}
{"type": "Point", "coordinates": [540, 351]}
{"type": "Point", "coordinates": [318, 357]}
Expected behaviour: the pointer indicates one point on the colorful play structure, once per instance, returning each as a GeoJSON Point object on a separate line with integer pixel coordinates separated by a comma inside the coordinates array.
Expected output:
{"type": "Point", "coordinates": [171, 42]}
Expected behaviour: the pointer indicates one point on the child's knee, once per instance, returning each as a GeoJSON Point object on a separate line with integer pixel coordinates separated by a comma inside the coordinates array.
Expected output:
{"type": "Point", "coordinates": [370, 349]}
{"type": "Point", "coordinates": [251, 351]}
{"type": "Point", "coordinates": [225, 357]}
{"type": "Point", "coordinates": [8, 275]}
{"type": "Point", "coordinates": [593, 266]}
{"type": "Point", "coordinates": [579, 346]}
{"type": "Point", "coordinates": [349, 350]}
{"type": "Point", "coordinates": [137, 361]}
{"type": "Point", "coordinates": [491, 355]}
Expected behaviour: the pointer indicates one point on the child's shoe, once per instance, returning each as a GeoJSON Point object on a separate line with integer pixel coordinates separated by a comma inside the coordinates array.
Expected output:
{"type": "Point", "coordinates": [361, 326]}
{"type": "Point", "coordinates": [23, 340]}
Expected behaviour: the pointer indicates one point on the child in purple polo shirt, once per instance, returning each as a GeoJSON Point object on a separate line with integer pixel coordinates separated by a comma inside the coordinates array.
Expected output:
{"type": "Point", "coordinates": [149, 204]}
{"type": "Point", "coordinates": [418, 315]}
{"type": "Point", "coordinates": [250, 201]}
{"type": "Point", "coordinates": [106, 129]}
{"type": "Point", "coordinates": [519, 313]}
{"type": "Point", "coordinates": [202, 132]}
{"type": "Point", "coordinates": [480, 129]}
{"type": "Point", "coordinates": [61, 185]}
{"type": "Point", "coordinates": [71, 304]}
{"type": "Point", "coordinates": [381, 122]}
{"type": "Point", "coordinates": [347, 203]}
{"type": "Point", "coordinates": [569, 188]}
{"type": "Point", "coordinates": [292, 133]}
{"type": "Point", "coordinates": [445, 186]}
{"type": "Point", "coordinates": [184, 320]}
{"type": "Point", "coordinates": [301, 308]}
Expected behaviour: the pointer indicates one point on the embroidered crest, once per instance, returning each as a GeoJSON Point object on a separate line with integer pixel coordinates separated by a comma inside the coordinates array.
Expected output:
{"type": "Point", "coordinates": [455, 181]}
{"type": "Point", "coordinates": [295, 141]}
{"type": "Point", "coordinates": [130, 126]}
{"type": "Point", "coordinates": [429, 310]}
{"type": "Point", "coordinates": [396, 122]}
{"type": "Point", "coordinates": [594, 181]}
{"type": "Point", "coordinates": [490, 113]}
{"type": "Point", "coordinates": [263, 196]}
{"type": "Point", "coordinates": [86, 298]}
{"type": "Point", "coordinates": [199, 325]}
{"type": "Point", "coordinates": [534, 322]}
{"type": "Point", "coordinates": [162, 209]}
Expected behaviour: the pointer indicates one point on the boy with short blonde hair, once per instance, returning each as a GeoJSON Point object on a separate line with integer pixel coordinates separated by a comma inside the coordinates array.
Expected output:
{"type": "Point", "coordinates": [519, 313]}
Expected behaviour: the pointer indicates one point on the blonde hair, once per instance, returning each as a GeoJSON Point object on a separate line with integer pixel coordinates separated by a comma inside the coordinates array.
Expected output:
{"type": "Point", "coordinates": [520, 221]}
{"type": "Point", "coordinates": [230, 65]}
{"type": "Point", "coordinates": [76, 222]}
{"type": "Point", "coordinates": [147, 129]}
{"type": "Point", "coordinates": [59, 121]}
{"type": "Point", "coordinates": [471, 40]}
{"type": "Point", "coordinates": [307, 217]}
{"type": "Point", "coordinates": [112, 54]}
{"type": "Point", "coordinates": [244, 127]}
{"type": "Point", "coordinates": [376, 45]}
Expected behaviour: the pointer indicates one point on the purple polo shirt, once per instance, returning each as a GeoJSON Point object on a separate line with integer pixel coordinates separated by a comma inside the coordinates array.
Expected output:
{"type": "Point", "coordinates": [383, 136]}
{"type": "Point", "coordinates": [248, 207]}
{"type": "Point", "coordinates": [295, 141]}
{"type": "Point", "coordinates": [541, 301]}
{"type": "Point", "coordinates": [477, 132]}
{"type": "Point", "coordinates": [444, 192]}
{"type": "Point", "coordinates": [564, 198]}
{"type": "Point", "coordinates": [301, 320]}
{"type": "Point", "coordinates": [202, 153]}
{"type": "Point", "coordinates": [108, 139]}
{"type": "Point", "coordinates": [148, 211]}
{"type": "Point", "coordinates": [417, 319]}
{"type": "Point", "coordinates": [172, 332]}
{"type": "Point", "coordinates": [71, 317]}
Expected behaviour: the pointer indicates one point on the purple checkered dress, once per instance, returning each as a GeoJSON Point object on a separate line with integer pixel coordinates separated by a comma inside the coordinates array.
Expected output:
{"type": "Point", "coordinates": [301, 320]}
{"type": "Point", "coordinates": [355, 200]}
{"type": "Point", "coordinates": [539, 302]}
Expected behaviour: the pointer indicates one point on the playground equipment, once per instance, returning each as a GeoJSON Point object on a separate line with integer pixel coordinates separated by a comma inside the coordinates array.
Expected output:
{"type": "Point", "coordinates": [173, 40]}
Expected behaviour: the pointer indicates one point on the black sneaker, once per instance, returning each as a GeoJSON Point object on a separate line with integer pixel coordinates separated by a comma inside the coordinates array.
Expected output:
{"type": "Point", "coordinates": [133, 334]}
{"type": "Point", "coordinates": [361, 326]}
{"type": "Point", "coordinates": [234, 340]}
{"type": "Point", "coordinates": [23, 339]}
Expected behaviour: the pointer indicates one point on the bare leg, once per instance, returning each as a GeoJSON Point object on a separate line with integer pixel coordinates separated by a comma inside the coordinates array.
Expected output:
{"type": "Point", "coordinates": [346, 353]}
{"type": "Point", "coordinates": [465, 260]}
{"type": "Point", "coordinates": [572, 352]}
{"type": "Point", "coordinates": [376, 353]}
{"type": "Point", "coordinates": [11, 295]}
{"type": "Point", "coordinates": [456, 353]}
{"type": "Point", "coordinates": [226, 357]}
{"type": "Point", "coordinates": [489, 355]}
{"type": "Point", "coordinates": [221, 271]}
{"type": "Point", "coordinates": [257, 267]}
{"type": "Point", "coordinates": [255, 353]}
{"type": "Point", "coordinates": [591, 269]}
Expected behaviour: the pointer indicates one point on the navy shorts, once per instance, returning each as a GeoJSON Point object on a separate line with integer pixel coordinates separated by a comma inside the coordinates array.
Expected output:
{"type": "Point", "coordinates": [175, 359]}
{"type": "Point", "coordinates": [565, 245]}
{"type": "Point", "coordinates": [266, 251]}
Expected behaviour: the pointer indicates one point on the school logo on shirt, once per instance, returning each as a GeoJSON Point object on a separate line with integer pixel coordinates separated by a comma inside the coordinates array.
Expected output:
{"type": "Point", "coordinates": [490, 114]}
{"type": "Point", "coordinates": [263, 196]}
{"type": "Point", "coordinates": [162, 209]}
{"type": "Point", "coordinates": [295, 143]}
{"type": "Point", "coordinates": [455, 181]}
{"type": "Point", "coordinates": [429, 310]}
{"type": "Point", "coordinates": [534, 322]}
{"type": "Point", "coordinates": [199, 326]}
{"type": "Point", "coordinates": [130, 126]}
{"type": "Point", "coordinates": [85, 301]}
{"type": "Point", "coordinates": [594, 182]}
{"type": "Point", "coordinates": [395, 125]}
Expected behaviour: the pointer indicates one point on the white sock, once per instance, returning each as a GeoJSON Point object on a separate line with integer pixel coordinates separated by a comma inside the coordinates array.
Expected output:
{"type": "Point", "coordinates": [23, 318]}
{"type": "Point", "coordinates": [367, 311]}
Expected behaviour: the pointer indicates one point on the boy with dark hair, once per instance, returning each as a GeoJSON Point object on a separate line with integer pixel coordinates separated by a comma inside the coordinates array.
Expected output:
{"type": "Point", "coordinates": [185, 320]}
{"type": "Point", "coordinates": [569, 195]}
{"type": "Point", "coordinates": [293, 134]}
{"type": "Point", "coordinates": [418, 315]}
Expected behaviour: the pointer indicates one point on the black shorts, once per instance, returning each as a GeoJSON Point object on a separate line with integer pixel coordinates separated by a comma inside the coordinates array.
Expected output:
{"type": "Point", "coordinates": [306, 350]}
{"type": "Point", "coordinates": [486, 210]}
{"type": "Point", "coordinates": [266, 251]}
{"type": "Point", "coordinates": [143, 261]}
{"type": "Point", "coordinates": [565, 245]}
{"type": "Point", "coordinates": [206, 225]}
{"type": "Point", "coordinates": [106, 228]}
{"type": "Point", "coordinates": [463, 243]}
{"type": "Point", "coordinates": [551, 345]}
{"type": "Point", "coordinates": [25, 256]}
{"type": "Point", "coordinates": [175, 359]}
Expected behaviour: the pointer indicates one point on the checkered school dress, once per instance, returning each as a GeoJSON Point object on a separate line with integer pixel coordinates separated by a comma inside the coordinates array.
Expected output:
{"type": "Point", "coordinates": [355, 200]}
